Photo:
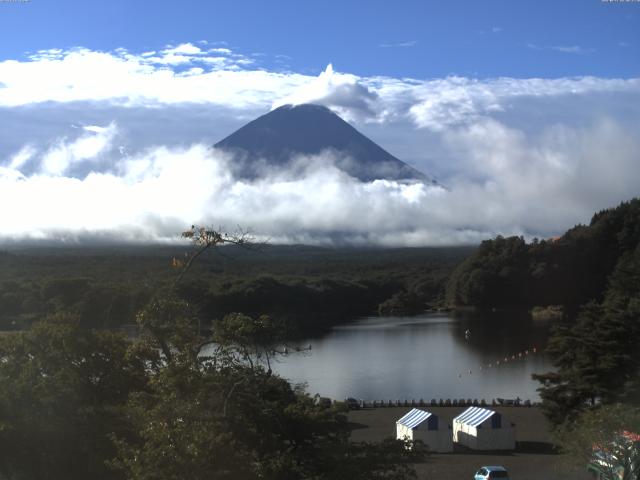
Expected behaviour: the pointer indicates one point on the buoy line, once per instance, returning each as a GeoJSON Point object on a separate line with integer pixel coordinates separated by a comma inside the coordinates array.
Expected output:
{"type": "Point", "coordinates": [502, 361]}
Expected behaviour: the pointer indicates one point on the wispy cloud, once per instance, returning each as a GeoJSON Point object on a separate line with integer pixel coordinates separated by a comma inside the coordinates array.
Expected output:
{"type": "Point", "coordinates": [573, 49]}
{"type": "Point", "coordinates": [570, 49]}
{"type": "Point", "coordinates": [493, 30]}
{"type": "Point", "coordinates": [88, 147]}
{"type": "Point", "coordinates": [410, 43]}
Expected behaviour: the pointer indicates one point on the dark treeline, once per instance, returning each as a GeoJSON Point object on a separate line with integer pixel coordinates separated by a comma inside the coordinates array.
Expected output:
{"type": "Point", "coordinates": [569, 271]}
{"type": "Point", "coordinates": [312, 287]}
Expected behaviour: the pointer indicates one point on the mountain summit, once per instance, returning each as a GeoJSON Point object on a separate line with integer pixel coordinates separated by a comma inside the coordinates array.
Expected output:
{"type": "Point", "coordinates": [274, 138]}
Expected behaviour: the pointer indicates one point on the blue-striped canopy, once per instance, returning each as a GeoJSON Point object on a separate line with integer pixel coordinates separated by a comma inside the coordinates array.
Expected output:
{"type": "Point", "coordinates": [474, 416]}
{"type": "Point", "coordinates": [414, 418]}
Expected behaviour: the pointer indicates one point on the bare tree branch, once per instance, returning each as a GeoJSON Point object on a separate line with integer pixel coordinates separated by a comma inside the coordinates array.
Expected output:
{"type": "Point", "coordinates": [206, 238]}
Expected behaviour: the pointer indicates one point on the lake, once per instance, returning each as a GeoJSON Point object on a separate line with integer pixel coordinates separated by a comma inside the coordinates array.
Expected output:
{"type": "Point", "coordinates": [425, 356]}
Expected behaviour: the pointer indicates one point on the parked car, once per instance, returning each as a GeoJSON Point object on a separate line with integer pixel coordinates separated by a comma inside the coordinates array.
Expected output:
{"type": "Point", "coordinates": [491, 472]}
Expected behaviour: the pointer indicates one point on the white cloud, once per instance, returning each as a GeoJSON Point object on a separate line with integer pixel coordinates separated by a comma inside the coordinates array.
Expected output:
{"type": "Point", "coordinates": [187, 74]}
{"type": "Point", "coordinates": [410, 43]}
{"type": "Point", "coordinates": [171, 59]}
{"type": "Point", "coordinates": [341, 92]}
{"type": "Point", "coordinates": [571, 49]}
{"type": "Point", "coordinates": [442, 103]}
{"type": "Point", "coordinates": [221, 50]}
{"type": "Point", "coordinates": [508, 183]}
{"type": "Point", "coordinates": [23, 156]}
{"type": "Point", "coordinates": [86, 148]}
{"type": "Point", "coordinates": [575, 49]}
{"type": "Point", "coordinates": [183, 49]}
{"type": "Point", "coordinates": [135, 80]}
{"type": "Point", "coordinates": [96, 128]}
{"type": "Point", "coordinates": [521, 156]}
{"type": "Point", "coordinates": [547, 182]}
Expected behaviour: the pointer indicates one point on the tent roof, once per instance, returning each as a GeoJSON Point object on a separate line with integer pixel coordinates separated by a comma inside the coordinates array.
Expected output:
{"type": "Point", "coordinates": [474, 416]}
{"type": "Point", "coordinates": [414, 418]}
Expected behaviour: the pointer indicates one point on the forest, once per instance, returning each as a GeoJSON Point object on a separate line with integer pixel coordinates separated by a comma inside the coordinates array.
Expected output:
{"type": "Point", "coordinates": [569, 270]}
{"type": "Point", "coordinates": [312, 287]}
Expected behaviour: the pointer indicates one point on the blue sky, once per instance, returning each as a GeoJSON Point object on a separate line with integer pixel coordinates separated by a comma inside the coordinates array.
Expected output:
{"type": "Point", "coordinates": [528, 112]}
{"type": "Point", "coordinates": [420, 39]}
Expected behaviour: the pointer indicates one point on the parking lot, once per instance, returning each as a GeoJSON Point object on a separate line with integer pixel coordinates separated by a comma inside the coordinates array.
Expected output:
{"type": "Point", "coordinates": [533, 459]}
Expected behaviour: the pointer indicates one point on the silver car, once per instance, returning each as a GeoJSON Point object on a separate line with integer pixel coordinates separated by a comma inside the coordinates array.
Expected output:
{"type": "Point", "coordinates": [491, 472]}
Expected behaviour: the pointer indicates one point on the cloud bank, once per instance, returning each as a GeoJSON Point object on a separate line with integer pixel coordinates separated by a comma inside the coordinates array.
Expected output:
{"type": "Point", "coordinates": [117, 145]}
{"type": "Point", "coordinates": [151, 196]}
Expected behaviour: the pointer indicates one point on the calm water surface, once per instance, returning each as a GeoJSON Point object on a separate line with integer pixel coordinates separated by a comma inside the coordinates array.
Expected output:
{"type": "Point", "coordinates": [426, 356]}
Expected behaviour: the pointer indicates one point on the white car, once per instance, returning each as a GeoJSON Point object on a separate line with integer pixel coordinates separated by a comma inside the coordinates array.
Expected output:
{"type": "Point", "coordinates": [491, 472]}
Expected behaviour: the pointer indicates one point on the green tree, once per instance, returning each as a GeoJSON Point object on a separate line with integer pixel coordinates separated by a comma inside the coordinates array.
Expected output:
{"type": "Point", "coordinates": [214, 411]}
{"type": "Point", "coordinates": [596, 357]}
{"type": "Point", "coordinates": [570, 270]}
{"type": "Point", "coordinates": [593, 363]}
{"type": "Point", "coordinates": [179, 401]}
{"type": "Point", "coordinates": [62, 391]}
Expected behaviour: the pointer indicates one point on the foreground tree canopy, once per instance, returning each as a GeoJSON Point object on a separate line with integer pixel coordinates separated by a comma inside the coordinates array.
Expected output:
{"type": "Point", "coordinates": [596, 352]}
{"type": "Point", "coordinates": [175, 402]}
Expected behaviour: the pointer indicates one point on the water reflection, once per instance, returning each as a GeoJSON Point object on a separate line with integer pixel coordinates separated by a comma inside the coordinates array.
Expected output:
{"type": "Point", "coordinates": [426, 356]}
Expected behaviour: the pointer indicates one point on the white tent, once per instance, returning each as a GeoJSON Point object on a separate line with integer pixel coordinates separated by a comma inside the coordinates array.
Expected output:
{"type": "Point", "coordinates": [483, 429]}
{"type": "Point", "coordinates": [425, 426]}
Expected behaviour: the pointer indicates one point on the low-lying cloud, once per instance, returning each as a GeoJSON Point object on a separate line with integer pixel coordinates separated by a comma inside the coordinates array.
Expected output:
{"type": "Point", "coordinates": [512, 184]}
{"type": "Point", "coordinates": [117, 145]}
